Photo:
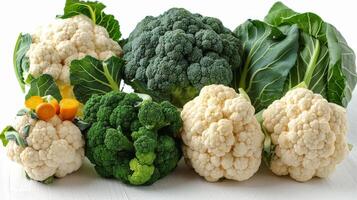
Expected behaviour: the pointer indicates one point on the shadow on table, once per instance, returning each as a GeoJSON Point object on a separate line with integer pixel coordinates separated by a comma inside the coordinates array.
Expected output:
{"type": "Point", "coordinates": [84, 176]}
{"type": "Point", "coordinates": [185, 177]}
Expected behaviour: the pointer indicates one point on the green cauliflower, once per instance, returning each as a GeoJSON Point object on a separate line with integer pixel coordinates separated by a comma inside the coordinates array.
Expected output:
{"type": "Point", "coordinates": [131, 139]}
{"type": "Point", "coordinates": [172, 56]}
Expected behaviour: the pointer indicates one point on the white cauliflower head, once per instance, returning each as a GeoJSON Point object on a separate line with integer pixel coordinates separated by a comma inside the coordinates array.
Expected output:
{"type": "Point", "coordinates": [56, 45]}
{"type": "Point", "coordinates": [221, 136]}
{"type": "Point", "coordinates": [309, 135]}
{"type": "Point", "coordinates": [53, 148]}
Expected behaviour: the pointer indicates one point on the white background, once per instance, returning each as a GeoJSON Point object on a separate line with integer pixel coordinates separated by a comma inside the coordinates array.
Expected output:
{"type": "Point", "coordinates": [23, 16]}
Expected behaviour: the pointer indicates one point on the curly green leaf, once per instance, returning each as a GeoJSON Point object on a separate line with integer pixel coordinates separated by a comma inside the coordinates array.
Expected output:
{"type": "Point", "coordinates": [91, 76]}
{"type": "Point", "coordinates": [43, 86]}
{"type": "Point", "coordinates": [93, 10]}
{"type": "Point", "coordinates": [20, 60]}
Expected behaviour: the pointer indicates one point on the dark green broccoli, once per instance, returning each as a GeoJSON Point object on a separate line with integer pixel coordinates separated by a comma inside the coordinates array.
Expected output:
{"type": "Point", "coordinates": [173, 118]}
{"type": "Point", "coordinates": [132, 139]}
{"type": "Point", "coordinates": [115, 140]}
{"type": "Point", "coordinates": [143, 132]}
{"type": "Point", "coordinates": [92, 107]}
{"type": "Point", "coordinates": [145, 149]}
{"type": "Point", "coordinates": [172, 56]}
{"type": "Point", "coordinates": [151, 115]}
{"type": "Point", "coordinates": [167, 154]}
{"type": "Point", "coordinates": [122, 116]}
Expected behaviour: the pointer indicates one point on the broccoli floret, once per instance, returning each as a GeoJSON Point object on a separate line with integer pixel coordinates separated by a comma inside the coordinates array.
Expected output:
{"type": "Point", "coordinates": [130, 99]}
{"type": "Point", "coordinates": [124, 142]}
{"type": "Point", "coordinates": [123, 116]}
{"type": "Point", "coordinates": [135, 125]}
{"type": "Point", "coordinates": [91, 108]}
{"type": "Point", "coordinates": [141, 173]}
{"type": "Point", "coordinates": [103, 155]}
{"type": "Point", "coordinates": [143, 132]}
{"type": "Point", "coordinates": [167, 155]}
{"type": "Point", "coordinates": [175, 54]}
{"type": "Point", "coordinates": [122, 170]}
{"type": "Point", "coordinates": [154, 177]}
{"type": "Point", "coordinates": [95, 135]}
{"type": "Point", "coordinates": [112, 99]}
{"type": "Point", "coordinates": [145, 149]}
{"type": "Point", "coordinates": [115, 140]}
{"type": "Point", "coordinates": [172, 117]}
{"type": "Point", "coordinates": [104, 171]}
{"type": "Point", "coordinates": [151, 115]}
{"type": "Point", "coordinates": [103, 114]}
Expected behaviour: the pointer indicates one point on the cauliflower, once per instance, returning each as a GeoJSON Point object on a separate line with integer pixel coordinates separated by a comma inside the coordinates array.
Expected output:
{"type": "Point", "coordinates": [221, 136]}
{"type": "Point", "coordinates": [309, 135]}
{"type": "Point", "coordinates": [56, 45]}
{"type": "Point", "coordinates": [53, 148]}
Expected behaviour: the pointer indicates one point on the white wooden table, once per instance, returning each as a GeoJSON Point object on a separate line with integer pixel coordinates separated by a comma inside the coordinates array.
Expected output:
{"type": "Point", "coordinates": [22, 15]}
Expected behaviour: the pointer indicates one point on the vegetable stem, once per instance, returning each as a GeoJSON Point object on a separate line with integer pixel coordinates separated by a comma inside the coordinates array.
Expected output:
{"type": "Point", "coordinates": [312, 64]}
{"type": "Point", "coordinates": [244, 73]}
{"type": "Point", "coordinates": [259, 116]}
{"type": "Point", "coordinates": [268, 147]}
{"type": "Point", "coordinates": [92, 13]}
{"type": "Point", "coordinates": [245, 95]}
{"type": "Point", "coordinates": [113, 84]}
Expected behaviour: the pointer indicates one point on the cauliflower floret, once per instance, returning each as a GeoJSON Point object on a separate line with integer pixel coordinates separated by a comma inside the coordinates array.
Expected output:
{"type": "Point", "coordinates": [309, 134]}
{"type": "Point", "coordinates": [222, 138]}
{"type": "Point", "coordinates": [55, 46]}
{"type": "Point", "coordinates": [42, 135]}
{"type": "Point", "coordinates": [13, 151]}
{"type": "Point", "coordinates": [34, 166]}
{"type": "Point", "coordinates": [68, 131]}
{"type": "Point", "coordinates": [54, 148]}
{"type": "Point", "coordinates": [21, 122]}
{"type": "Point", "coordinates": [67, 168]}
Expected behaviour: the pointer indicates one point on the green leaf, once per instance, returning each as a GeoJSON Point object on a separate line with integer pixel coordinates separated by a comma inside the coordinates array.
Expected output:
{"type": "Point", "coordinates": [268, 147]}
{"type": "Point", "coordinates": [277, 13]}
{"type": "Point", "coordinates": [33, 115]}
{"type": "Point", "coordinates": [313, 56]}
{"type": "Point", "coordinates": [49, 180]}
{"type": "Point", "coordinates": [93, 10]}
{"type": "Point", "coordinates": [91, 76]}
{"type": "Point", "coordinates": [2, 136]}
{"type": "Point", "coordinates": [82, 125]}
{"type": "Point", "coordinates": [326, 63]}
{"type": "Point", "coordinates": [43, 86]}
{"type": "Point", "coordinates": [341, 75]}
{"type": "Point", "coordinates": [20, 60]}
{"type": "Point", "coordinates": [22, 112]}
{"type": "Point", "coordinates": [9, 133]}
{"type": "Point", "coordinates": [26, 130]}
{"type": "Point", "coordinates": [269, 55]}
{"type": "Point", "coordinates": [141, 88]}
{"type": "Point", "coordinates": [350, 147]}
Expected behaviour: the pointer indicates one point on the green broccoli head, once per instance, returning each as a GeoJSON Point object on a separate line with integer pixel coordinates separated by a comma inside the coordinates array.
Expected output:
{"type": "Point", "coordinates": [142, 131]}
{"type": "Point", "coordinates": [141, 172]}
{"type": "Point", "coordinates": [92, 108]}
{"type": "Point", "coordinates": [115, 140]}
{"type": "Point", "coordinates": [150, 115]}
{"type": "Point", "coordinates": [129, 138]}
{"type": "Point", "coordinates": [145, 149]}
{"type": "Point", "coordinates": [172, 117]}
{"type": "Point", "coordinates": [122, 116]}
{"type": "Point", "coordinates": [167, 154]}
{"type": "Point", "coordinates": [175, 54]}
